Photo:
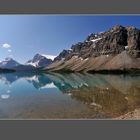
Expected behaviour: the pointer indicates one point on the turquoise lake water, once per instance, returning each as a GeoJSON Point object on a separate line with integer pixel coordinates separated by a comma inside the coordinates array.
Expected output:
{"type": "Point", "coordinates": [67, 96]}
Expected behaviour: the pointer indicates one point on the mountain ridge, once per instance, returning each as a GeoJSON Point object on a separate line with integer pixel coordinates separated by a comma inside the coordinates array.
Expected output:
{"type": "Point", "coordinates": [115, 49]}
{"type": "Point", "coordinates": [39, 61]}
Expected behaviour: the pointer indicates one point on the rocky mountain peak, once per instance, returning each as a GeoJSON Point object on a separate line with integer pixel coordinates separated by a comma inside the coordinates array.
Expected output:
{"type": "Point", "coordinates": [8, 63]}
{"type": "Point", "coordinates": [8, 59]}
{"type": "Point", "coordinates": [118, 27]}
{"type": "Point", "coordinates": [39, 61]}
{"type": "Point", "coordinates": [63, 55]}
{"type": "Point", "coordinates": [37, 57]}
{"type": "Point", "coordinates": [113, 41]}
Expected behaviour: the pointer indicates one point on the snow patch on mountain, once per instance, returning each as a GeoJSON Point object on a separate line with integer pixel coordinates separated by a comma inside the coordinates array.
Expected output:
{"type": "Point", "coordinates": [49, 56]}
{"type": "Point", "coordinates": [35, 64]}
{"type": "Point", "coordinates": [95, 40]}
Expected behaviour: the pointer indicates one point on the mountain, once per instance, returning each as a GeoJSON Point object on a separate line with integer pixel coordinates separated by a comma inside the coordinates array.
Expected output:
{"type": "Point", "coordinates": [112, 50]}
{"type": "Point", "coordinates": [35, 64]}
{"type": "Point", "coordinates": [8, 63]}
{"type": "Point", "coordinates": [40, 60]}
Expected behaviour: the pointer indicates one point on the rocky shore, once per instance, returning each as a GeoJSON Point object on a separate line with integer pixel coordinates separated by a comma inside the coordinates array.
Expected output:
{"type": "Point", "coordinates": [133, 115]}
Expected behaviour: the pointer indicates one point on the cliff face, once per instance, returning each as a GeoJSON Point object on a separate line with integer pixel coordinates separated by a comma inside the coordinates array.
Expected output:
{"type": "Point", "coordinates": [116, 49]}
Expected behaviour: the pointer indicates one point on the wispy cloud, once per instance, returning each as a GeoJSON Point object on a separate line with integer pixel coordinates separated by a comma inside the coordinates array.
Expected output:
{"type": "Point", "coordinates": [6, 45]}
{"type": "Point", "coordinates": [9, 50]}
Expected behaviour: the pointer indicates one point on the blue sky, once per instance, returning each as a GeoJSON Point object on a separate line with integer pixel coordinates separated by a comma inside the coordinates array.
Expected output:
{"type": "Point", "coordinates": [22, 36]}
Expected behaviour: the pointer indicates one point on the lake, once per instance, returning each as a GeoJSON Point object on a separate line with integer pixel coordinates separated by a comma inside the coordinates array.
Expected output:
{"type": "Point", "coordinates": [67, 96]}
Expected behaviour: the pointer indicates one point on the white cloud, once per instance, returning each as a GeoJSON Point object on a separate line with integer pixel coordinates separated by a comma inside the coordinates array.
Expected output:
{"type": "Point", "coordinates": [6, 45]}
{"type": "Point", "coordinates": [9, 50]}
{"type": "Point", "coordinates": [5, 96]}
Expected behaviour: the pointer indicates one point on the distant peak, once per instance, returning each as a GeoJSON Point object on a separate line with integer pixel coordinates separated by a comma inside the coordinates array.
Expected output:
{"type": "Point", "coordinates": [38, 54]}
{"type": "Point", "coordinates": [8, 58]}
{"type": "Point", "coordinates": [131, 28]}
{"type": "Point", "coordinates": [118, 26]}
{"type": "Point", "coordinates": [45, 55]}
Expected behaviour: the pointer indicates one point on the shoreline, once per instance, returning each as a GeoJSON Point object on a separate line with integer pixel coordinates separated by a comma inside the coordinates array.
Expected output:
{"type": "Point", "coordinates": [132, 115]}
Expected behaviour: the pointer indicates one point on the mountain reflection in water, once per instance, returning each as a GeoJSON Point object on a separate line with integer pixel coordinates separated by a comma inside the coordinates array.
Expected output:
{"type": "Point", "coordinates": [80, 95]}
